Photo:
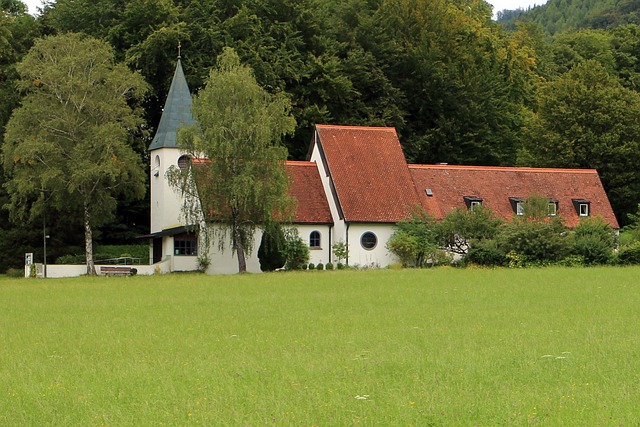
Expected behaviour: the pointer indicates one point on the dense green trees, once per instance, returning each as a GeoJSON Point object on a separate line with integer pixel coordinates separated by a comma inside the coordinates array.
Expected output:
{"type": "Point", "coordinates": [587, 119]}
{"type": "Point", "coordinates": [458, 87]}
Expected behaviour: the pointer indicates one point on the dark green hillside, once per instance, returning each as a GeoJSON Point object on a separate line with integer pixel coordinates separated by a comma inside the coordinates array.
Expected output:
{"type": "Point", "coordinates": [563, 15]}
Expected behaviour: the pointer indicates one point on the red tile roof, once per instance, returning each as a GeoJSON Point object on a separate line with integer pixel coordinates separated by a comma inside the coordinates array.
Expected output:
{"type": "Point", "coordinates": [306, 188]}
{"type": "Point", "coordinates": [369, 172]}
{"type": "Point", "coordinates": [449, 184]}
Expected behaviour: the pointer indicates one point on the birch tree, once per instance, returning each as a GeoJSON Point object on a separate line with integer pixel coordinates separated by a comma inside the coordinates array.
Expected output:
{"type": "Point", "coordinates": [243, 183]}
{"type": "Point", "coordinates": [68, 144]}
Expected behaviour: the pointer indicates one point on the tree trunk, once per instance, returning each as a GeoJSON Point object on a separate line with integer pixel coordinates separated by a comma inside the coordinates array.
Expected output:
{"type": "Point", "coordinates": [88, 243]}
{"type": "Point", "coordinates": [238, 245]}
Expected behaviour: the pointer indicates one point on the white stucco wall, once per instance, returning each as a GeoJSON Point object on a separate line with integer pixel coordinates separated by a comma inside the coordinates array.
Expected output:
{"type": "Point", "coordinates": [226, 262]}
{"type": "Point", "coordinates": [165, 202]}
{"type": "Point", "coordinates": [379, 256]}
{"type": "Point", "coordinates": [323, 254]}
{"type": "Point", "coordinates": [351, 233]}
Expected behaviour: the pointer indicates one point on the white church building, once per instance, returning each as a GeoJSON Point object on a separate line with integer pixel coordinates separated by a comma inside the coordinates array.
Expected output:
{"type": "Point", "coordinates": [353, 188]}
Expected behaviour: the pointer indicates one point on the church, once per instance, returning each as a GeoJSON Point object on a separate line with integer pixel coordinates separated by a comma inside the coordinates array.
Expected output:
{"type": "Point", "coordinates": [353, 188]}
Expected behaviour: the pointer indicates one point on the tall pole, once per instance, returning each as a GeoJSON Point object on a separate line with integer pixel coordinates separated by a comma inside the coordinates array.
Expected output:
{"type": "Point", "coordinates": [44, 241]}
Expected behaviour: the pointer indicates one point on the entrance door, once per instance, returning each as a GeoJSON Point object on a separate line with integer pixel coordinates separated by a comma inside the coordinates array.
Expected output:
{"type": "Point", "coordinates": [157, 249]}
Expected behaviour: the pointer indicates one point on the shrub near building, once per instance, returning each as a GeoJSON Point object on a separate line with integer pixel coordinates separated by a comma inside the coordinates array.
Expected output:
{"type": "Point", "coordinates": [534, 238]}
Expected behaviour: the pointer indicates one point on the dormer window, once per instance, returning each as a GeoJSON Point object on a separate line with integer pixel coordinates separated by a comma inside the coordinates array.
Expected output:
{"type": "Point", "coordinates": [552, 207]}
{"type": "Point", "coordinates": [582, 206]}
{"type": "Point", "coordinates": [472, 202]}
{"type": "Point", "coordinates": [517, 204]}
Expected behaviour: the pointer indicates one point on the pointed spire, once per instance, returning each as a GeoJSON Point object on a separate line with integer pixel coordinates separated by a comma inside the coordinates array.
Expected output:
{"type": "Point", "coordinates": [176, 113]}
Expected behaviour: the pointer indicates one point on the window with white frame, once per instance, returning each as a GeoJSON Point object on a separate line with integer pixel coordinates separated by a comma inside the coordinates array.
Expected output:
{"type": "Point", "coordinates": [314, 240]}
{"type": "Point", "coordinates": [552, 208]}
{"type": "Point", "coordinates": [582, 207]}
{"type": "Point", "coordinates": [472, 202]}
{"type": "Point", "coordinates": [517, 204]}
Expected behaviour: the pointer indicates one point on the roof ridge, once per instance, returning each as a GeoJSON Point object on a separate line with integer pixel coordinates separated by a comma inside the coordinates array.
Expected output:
{"type": "Point", "coordinates": [385, 128]}
{"type": "Point", "coordinates": [300, 163]}
{"type": "Point", "coordinates": [504, 168]}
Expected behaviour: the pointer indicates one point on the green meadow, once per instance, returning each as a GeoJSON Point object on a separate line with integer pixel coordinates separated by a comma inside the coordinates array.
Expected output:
{"type": "Point", "coordinates": [434, 347]}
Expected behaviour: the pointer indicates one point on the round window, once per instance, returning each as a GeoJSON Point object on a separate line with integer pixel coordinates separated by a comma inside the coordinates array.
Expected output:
{"type": "Point", "coordinates": [368, 240]}
{"type": "Point", "coordinates": [184, 162]}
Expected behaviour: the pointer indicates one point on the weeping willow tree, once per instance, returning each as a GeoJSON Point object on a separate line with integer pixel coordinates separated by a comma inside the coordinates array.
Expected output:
{"type": "Point", "coordinates": [242, 185]}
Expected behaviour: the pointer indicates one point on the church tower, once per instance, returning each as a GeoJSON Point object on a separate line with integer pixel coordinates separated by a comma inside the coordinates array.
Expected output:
{"type": "Point", "coordinates": [164, 153]}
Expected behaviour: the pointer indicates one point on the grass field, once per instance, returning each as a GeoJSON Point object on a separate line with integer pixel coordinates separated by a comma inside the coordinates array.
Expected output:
{"type": "Point", "coordinates": [441, 347]}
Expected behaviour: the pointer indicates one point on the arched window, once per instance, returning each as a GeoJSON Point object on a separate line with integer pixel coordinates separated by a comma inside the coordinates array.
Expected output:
{"type": "Point", "coordinates": [156, 166]}
{"type": "Point", "coordinates": [368, 240]}
{"type": "Point", "coordinates": [314, 239]}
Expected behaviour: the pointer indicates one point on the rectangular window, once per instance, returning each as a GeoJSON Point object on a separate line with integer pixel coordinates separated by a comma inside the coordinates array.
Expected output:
{"type": "Point", "coordinates": [472, 201]}
{"type": "Point", "coordinates": [584, 209]}
{"type": "Point", "coordinates": [582, 206]}
{"type": "Point", "coordinates": [517, 204]}
{"type": "Point", "coordinates": [185, 244]}
{"type": "Point", "coordinates": [552, 208]}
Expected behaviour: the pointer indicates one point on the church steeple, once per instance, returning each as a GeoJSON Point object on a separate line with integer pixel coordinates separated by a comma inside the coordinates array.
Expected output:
{"type": "Point", "coordinates": [176, 113]}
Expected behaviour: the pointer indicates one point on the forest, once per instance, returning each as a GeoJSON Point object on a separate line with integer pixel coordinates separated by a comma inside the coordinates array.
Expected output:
{"type": "Point", "coordinates": [459, 87]}
{"type": "Point", "coordinates": [556, 16]}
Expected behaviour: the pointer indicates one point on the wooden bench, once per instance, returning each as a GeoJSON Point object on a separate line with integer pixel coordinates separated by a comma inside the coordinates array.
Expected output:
{"type": "Point", "coordinates": [115, 271]}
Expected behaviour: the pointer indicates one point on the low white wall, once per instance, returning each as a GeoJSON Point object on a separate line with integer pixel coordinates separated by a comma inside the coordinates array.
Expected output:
{"type": "Point", "coordinates": [57, 271]}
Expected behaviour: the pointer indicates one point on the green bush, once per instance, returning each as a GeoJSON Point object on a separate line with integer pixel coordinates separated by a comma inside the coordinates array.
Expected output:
{"type": "Point", "coordinates": [71, 259]}
{"type": "Point", "coordinates": [272, 250]}
{"type": "Point", "coordinates": [328, 266]}
{"type": "Point", "coordinates": [629, 255]}
{"type": "Point", "coordinates": [415, 240]}
{"type": "Point", "coordinates": [339, 266]}
{"type": "Point", "coordinates": [462, 226]}
{"type": "Point", "coordinates": [594, 240]}
{"type": "Point", "coordinates": [593, 249]}
{"type": "Point", "coordinates": [320, 266]}
{"type": "Point", "coordinates": [535, 241]}
{"type": "Point", "coordinates": [485, 253]}
{"type": "Point", "coordinates": [116, 251]}
{"type": "Point", "coordinates": [340, 251]}
{"type": "Point", "coordinates": [572, 261]}
{"type": "Point", "coordinates": [107, 252]}
{"type": "Point", "coordinates": [312, 266]}
{"type": "Point", "coordinates": [296, 250]}
{"type": "Point", "coordinates": [626, 238]}
{"type": "Point", "coordinates": [15, 272]}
